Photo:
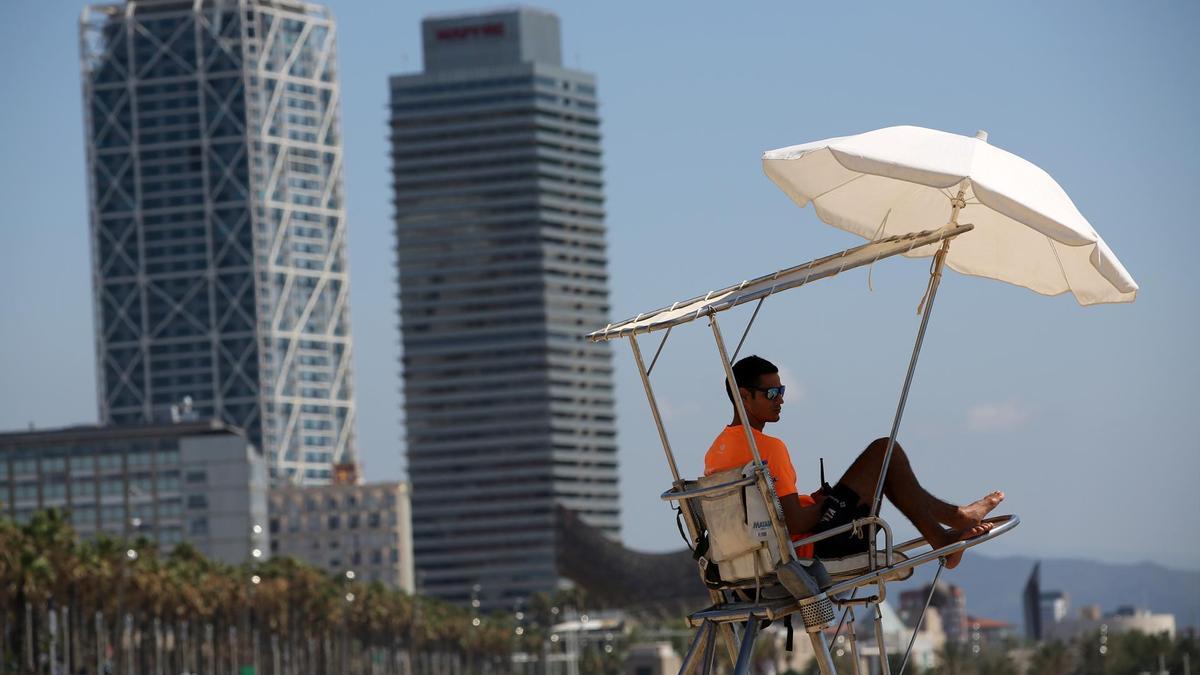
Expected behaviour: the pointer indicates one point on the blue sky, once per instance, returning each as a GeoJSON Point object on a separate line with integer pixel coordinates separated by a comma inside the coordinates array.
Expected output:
{"type": "Point", "coordinates": [1087, 418]}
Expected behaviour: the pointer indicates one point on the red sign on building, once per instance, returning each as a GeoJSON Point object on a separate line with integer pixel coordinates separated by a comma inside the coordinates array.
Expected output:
{"type": "Point", "coordinates": [468, 32]}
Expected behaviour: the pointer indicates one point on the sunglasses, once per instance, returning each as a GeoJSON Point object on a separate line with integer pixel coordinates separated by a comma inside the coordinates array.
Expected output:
{"type": "Point", "coordinates": [771, 392]}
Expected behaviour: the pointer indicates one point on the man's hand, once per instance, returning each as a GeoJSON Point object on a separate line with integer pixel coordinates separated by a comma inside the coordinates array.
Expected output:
{"type": "Point", "coordinates": [800, 519]}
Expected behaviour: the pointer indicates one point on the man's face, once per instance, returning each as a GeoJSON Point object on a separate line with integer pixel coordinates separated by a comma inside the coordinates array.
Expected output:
{"type": "Point", "coordinates": [758, 406]}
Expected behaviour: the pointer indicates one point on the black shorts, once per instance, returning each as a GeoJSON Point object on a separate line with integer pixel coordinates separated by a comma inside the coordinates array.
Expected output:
{"type": "Point", "coordinates": [842, 506]}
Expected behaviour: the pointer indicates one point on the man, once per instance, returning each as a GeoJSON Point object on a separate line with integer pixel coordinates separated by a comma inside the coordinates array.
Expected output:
{"type": "Point", "coordinates": [762, 393]}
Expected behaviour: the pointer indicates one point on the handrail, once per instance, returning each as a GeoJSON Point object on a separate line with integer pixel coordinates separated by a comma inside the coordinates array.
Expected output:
{"type": "Point", "coordinates": [721, 488]}
{"type": "Point", "coordinates": [1005, 523]}
{"type": "Point", "coordinates": [858, 523]}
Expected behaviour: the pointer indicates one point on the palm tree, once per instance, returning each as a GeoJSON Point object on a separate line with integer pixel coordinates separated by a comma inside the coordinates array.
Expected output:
{"type": "Point", "coordinates": [1052, 658]}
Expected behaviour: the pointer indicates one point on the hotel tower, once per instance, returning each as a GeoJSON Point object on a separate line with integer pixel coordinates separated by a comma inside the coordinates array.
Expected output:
{"type": "Point", "coordinates": [499, 203]}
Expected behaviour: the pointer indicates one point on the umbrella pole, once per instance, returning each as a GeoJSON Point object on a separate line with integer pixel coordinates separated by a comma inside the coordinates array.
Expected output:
{"type": "Point", "coordinates": [935, 279]}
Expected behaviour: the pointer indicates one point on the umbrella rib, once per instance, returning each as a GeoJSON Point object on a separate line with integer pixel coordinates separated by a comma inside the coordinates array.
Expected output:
{"type": "Point", "coordinates": [838, 187]}
{"type": "Point", "coordinates": [1061, 269]}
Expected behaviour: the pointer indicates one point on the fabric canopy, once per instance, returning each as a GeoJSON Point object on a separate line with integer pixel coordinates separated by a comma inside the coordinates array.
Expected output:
{"type": "Point", "coordinates": [755, 289]}
{"type": "Point", "coordinates": [903, 179]}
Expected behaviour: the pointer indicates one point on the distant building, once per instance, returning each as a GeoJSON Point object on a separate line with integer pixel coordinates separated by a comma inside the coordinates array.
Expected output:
{"type": "Point", "coordinates": [1031, 603]}
{"type": "Point", "coordinates": [199, 482]}
{"type": "Point", "coordinates": [984, 633]}
{"type": "Point", "coordinates": [1123, 620]}
{"type": "Point", "coordinates": [652, 658]}
{"type": "Point", "coordinates": [949, 600]}
{"type": "Point", "coordinates": [897, 633]}
{"type": "Point", "coordinates": [218, 227]}
{"type": "Point", "coordinates": [1052, 608]}
{"type": "Point", "coordinates": [502, 264]}
{"type": "Point", "coordinates": [365, 529]}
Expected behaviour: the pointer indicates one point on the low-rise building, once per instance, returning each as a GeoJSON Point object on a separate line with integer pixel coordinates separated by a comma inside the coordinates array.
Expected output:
{"type": "Point", "coordinates": [1124, 620]}
{"type": "Point", "coordinates": [983, 632]}
{"type": "Point", "coordinates": [196, 481]}
{"type": "Point", "coordinates": [346, 527]}
{"type": "Point", "coordinates": [949, 600]}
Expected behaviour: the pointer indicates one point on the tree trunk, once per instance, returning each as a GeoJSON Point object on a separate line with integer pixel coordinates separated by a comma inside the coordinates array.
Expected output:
{"type": "Point", "coordinates": [210, 650]}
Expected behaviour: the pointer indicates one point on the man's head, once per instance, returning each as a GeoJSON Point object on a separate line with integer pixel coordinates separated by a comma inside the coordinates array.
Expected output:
{"type": "Point", "coordinates": [760, 390]}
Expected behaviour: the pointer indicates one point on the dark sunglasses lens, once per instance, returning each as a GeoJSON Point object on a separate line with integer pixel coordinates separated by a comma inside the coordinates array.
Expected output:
{"type": "Point", "coordinates": [774, 393]}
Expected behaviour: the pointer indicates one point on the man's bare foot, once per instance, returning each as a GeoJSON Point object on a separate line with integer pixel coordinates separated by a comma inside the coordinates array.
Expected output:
{"type": "Point", "coordinates": [971, 532]}
{"type": "Point", "coordinates": [974, 513]}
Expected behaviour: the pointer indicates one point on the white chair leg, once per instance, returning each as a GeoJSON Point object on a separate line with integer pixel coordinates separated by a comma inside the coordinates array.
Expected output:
{"type": "Point", "coordinates": [821, 652]}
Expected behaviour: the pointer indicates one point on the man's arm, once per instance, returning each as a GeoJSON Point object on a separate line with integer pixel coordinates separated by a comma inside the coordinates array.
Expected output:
{"type": "Point", "coordinates": [800, 519]}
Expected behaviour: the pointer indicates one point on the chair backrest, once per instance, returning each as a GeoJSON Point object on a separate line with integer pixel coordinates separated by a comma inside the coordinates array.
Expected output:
{"type": "Point", "coordinates": [740, 536]}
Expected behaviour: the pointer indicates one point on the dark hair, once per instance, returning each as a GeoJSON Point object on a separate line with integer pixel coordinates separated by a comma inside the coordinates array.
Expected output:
{"type": "Point", "coordinates": [747, 371]}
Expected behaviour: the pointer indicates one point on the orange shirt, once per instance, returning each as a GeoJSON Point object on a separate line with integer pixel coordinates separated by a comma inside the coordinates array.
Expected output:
{"type": "Point", "coordinates": [730, 450]}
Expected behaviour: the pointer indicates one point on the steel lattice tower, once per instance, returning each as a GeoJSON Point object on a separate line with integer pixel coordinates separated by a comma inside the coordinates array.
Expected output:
{"type": "Point", "coordinates": [503, 269]}
{"type": "Point", "coordinates": [217, 222]}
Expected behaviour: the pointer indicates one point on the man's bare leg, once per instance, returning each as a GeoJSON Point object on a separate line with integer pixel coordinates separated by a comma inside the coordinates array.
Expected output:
{"type": "Point", "coordinates": [924, 510]}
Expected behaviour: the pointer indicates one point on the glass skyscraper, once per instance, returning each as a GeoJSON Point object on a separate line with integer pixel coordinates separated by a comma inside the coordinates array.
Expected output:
{"type": "Point", "coordinates": [217, 223]}
{"type": "Point", "coordinates": [502, 264]}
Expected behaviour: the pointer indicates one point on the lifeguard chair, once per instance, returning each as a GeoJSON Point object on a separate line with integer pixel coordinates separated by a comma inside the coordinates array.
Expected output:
{"type": "Point", "coordinates": [733, 519]}
{"type": "Point", "coordinates": [886, 185]}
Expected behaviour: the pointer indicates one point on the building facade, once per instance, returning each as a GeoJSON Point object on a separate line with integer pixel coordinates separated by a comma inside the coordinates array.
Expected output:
{"type": "Point", "coordinates": [1124, 620]}
{"type": "Point", "coordinates": [217, 224]}
{"type": "Point", "coordinates": [1052, 608]}
{"type": "Point", "coordinates": [502, 264]}
{"type": "Point", "coordinates": [364, 529]}
{"type": "Point", "coordinates": [948, 599]}
{"type": "Point", "coordinates": [199, 482]}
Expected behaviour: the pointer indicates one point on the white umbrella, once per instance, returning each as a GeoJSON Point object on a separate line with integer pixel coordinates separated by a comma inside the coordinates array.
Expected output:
{"type": "Point", "coordinates": [906, 179]}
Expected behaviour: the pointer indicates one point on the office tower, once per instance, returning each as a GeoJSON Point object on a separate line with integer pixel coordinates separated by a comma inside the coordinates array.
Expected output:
{"type": "Point", "coordinates": [217, 224]}
{"type": "Point", "coordinates": [346, 527]}
{"type": "Point", "coordinates": [195, 481]}
{"type": "Point", "coordinates": [502, 264]}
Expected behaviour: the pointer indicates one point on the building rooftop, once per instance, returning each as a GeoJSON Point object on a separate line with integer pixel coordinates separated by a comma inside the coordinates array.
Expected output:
{"type": "Point", "coordinates": [99, 432]}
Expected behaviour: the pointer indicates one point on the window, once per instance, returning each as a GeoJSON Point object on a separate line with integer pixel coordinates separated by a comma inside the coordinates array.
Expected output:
{"type": "Point", "coordinates": [353, 521]}
{"type": "Point", "coordinates": [194, 477]}
{"type": "Point", "coordinates": [83, 516]}
{"type": "Point", "coordinates": [83, 490]}
{"type": "Point", "coordinates": [198, 526]}
{"type": "Point", "coordinates": [81, 465]}
{"type": "Point", "coordinates": [334, 522]}
{"type": "Point", "coordinates": [274, 526]}
{"type": "Point", "coordinates": [373, 519]}
{"type": "Point", "coordinates": [197, 502]}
